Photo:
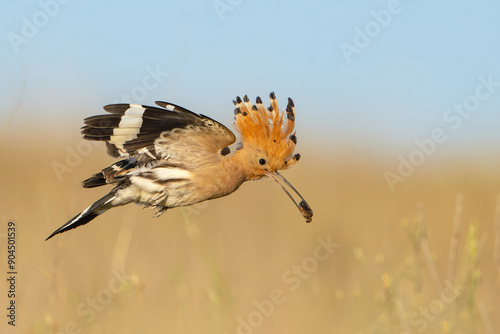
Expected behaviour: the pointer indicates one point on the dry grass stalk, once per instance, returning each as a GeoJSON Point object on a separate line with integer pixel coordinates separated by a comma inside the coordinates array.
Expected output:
{"type": "Point", "coordinates": [455, 239]}
{"type": "Point", "coordinates": [426, 250]}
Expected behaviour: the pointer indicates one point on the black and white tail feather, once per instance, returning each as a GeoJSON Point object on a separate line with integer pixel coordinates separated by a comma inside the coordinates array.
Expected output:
{"type": "Point", "coordinates": [99, 207]}
{"type": "Point", "coordinates": [152, 142]}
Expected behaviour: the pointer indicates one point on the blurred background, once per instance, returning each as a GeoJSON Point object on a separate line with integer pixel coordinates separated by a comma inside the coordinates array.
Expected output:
{"type": "Point", "coordinates": [397, 124]}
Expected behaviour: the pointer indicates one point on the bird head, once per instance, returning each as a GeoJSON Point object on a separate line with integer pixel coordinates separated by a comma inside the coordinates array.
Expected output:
{"type": "Point", "coordinates": [268, 141]}
{"type": "Point", "coordinates": [267, 137]}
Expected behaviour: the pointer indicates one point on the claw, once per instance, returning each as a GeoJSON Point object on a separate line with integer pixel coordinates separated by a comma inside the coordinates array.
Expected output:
{"type": "Point", "coordinates": [159, 210]}
{"type": "Point", "coordinates": [158, 198]}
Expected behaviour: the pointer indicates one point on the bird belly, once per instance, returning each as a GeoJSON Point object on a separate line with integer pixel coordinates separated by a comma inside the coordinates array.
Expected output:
{"type": "Point", "coordinates": [167, 187]}
{"type": "Point", "coordinates": [156, 192]}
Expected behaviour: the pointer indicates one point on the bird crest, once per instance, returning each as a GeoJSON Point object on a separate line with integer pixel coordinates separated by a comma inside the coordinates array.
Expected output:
{"type": "Point", "coordinates": [268, 130]}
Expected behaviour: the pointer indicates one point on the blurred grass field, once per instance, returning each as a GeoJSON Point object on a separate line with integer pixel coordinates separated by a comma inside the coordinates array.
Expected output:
{"type": "Point", "coordinates": [215, 267]}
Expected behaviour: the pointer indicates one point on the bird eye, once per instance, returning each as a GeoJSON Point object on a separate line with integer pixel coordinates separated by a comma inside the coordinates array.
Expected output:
{"type": "Point", "coordinates": [262, 161]}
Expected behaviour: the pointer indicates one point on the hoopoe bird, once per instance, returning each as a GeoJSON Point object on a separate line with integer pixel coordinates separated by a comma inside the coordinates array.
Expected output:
{"type": "Point", "coordinates": [172, 157]}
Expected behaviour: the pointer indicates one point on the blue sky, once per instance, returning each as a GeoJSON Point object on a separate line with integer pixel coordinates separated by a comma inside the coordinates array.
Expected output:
{"type": "Point", "coordinates": [62, 60]}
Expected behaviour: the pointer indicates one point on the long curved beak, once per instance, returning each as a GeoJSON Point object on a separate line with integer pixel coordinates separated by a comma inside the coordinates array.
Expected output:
{"type": "Point", "coordinates": [303, 207]}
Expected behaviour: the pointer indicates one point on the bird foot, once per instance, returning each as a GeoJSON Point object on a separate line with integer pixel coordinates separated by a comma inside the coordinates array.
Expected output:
{"type": "Point", "coordinates": [158, 198]}
{"type": "Point", "coordinates": [158, 210]}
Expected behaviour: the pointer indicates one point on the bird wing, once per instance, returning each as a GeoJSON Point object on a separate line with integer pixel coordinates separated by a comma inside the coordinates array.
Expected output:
{"type": "Point", "coordinates": [147, 134]}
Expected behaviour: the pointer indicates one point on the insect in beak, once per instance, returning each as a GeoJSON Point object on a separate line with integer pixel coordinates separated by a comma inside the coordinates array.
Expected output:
{"type": "Point", "coordinates": [303, 207]}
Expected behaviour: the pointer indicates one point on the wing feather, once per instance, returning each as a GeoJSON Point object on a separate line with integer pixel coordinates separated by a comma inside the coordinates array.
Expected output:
{"type": "Point", "coordinates": [151, 133]}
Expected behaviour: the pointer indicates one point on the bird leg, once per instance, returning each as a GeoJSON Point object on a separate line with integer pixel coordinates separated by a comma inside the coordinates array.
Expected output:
{"type": "Point", "coordinates": [158, 210]}
{"type": "Point", "coordinates": [156, 200]}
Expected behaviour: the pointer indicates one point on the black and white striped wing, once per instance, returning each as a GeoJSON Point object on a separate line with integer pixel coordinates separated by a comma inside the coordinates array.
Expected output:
{"type": "Point", "coordinates": [150, 133]}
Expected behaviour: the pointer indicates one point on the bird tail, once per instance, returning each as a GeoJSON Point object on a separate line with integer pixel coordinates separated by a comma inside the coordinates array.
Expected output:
{"type": "Point", "coordinates": [99, 207]}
